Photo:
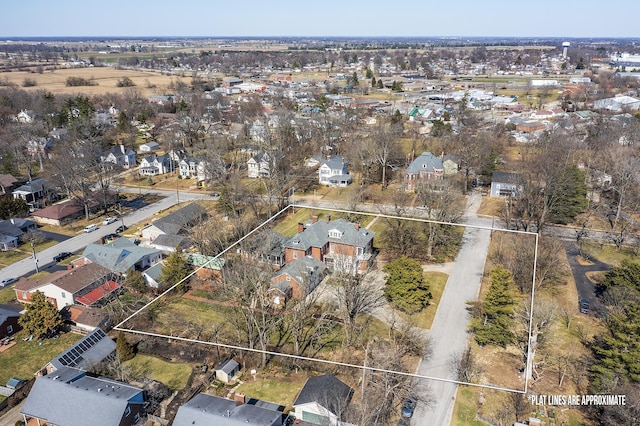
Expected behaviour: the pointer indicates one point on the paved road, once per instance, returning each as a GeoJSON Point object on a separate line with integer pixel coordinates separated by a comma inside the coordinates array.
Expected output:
{"type": "Point", "coordinates": [448, 334]}
{"type": "Point", "coordinates": [77, 243]}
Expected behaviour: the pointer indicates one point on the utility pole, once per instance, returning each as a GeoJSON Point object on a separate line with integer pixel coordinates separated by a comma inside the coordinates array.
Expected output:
{"type": "Point", "coordinates": [33, 252]}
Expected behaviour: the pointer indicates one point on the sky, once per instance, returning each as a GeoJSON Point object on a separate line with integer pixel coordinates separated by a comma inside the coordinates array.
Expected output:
{"type": "Point", "coordinates": [371, 18]}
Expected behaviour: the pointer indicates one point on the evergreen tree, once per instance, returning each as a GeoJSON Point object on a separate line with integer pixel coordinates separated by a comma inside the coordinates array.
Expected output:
{"type": "Point", "coordinates": [369, 73]}
{"type": "Point", "coordinates": [493, 325]}
{"type": "Point", "coordinates": [124, 350]}
{"type": "Point", "coordinates": [175, 268]}
{"type": "Point", "coordinates": [373, 82]}
{"type": "Point", "coordinates": [406, 287]}
{"type": "Point", "coordinates": [380, 84]}
{"type": "Point", "coordinates": [569, 196]}
{"type": "Point", "coordinates": [135, 281]}
{"type": "Point", "coordinates": [41, 318]}
{"type": "Point", "coordinates": [354, 79]}
{"type": "Point", "coordinates": [625, 275]}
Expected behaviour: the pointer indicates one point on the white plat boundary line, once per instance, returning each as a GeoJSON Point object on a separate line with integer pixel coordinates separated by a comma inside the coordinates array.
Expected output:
{"type": "Point", "coordinates": [119, 327]}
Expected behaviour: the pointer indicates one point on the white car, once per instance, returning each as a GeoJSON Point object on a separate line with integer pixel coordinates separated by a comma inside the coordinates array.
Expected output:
{"type": "Point", "coordinates": [109, 221]}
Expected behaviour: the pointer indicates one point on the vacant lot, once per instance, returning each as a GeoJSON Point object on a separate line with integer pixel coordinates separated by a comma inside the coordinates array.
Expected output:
{"type": "Point", "coordinates": [105, 77]}
{"type": "Point", "coordinates": [172, 374]}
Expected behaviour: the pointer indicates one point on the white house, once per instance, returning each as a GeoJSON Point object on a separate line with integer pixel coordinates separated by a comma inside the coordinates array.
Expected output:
{"type": "Point", "coordinates": [26, 116]}
{"type": "Point", "coordinates": [322, 400]}
{"type": "Point", "coordinates": [192, 168]}
{"type": "Point", "coordinates": [259, 166]}
{"type": "Point", "coordinates": [149, 146]}
{"type": "Point", "coordinates": [121, 156]}
{"type": "Point", "coordinates": [154, 165]}
{"type": "Point", "coordinates": [333, 172]}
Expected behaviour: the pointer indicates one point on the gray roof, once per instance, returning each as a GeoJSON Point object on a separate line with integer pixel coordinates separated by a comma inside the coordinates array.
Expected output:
{"type": "Point", "coordinates": [228, 366]}
{"type": "Point", "coordinates": [8, 228]}
{"type": "Point", "coordinates": [120, 256]}
{"type": "Point", "coordinates": [335, 162]}
{"type": "Point", "coordinates": [171, 241]}
{"type": "Point", "coordinates": [35, 185]}
{"type": "Point", "coordinates": [502, 177]}
{"type": "Point", "coordinates": [174, 222]}
{"type": "Point", "coordinates": [8, 311]}
{"type": "Point", "coordinates": [425, 161]}
{"type": "Point", "coordinates": [303, 271]}
{"type": "Point", "coordinates": [207, 410]}
{"type": "Point", "coordinates": [154, 271]}
{"type": "Point", "coordinates": [328, 391]}
{"type": "Point", "coordinates": [70, 398]}
{"type": "Point", "coordinates": [317, 235]}
{"type": "Point", "coordinates": [86, 352]}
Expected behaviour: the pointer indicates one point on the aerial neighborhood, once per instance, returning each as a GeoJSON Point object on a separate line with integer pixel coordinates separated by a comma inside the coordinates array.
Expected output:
{"type": "Point", "coordinates": [319, 232]}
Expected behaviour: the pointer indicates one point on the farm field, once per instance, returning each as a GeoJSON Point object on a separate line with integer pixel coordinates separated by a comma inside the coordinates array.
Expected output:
{"type": "Point", "coordinates": [105, 77]}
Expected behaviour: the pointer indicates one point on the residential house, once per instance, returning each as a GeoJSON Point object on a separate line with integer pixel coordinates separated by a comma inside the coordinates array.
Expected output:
{"type": "Point", "coordinates": [149, 147]}
{"type": "Point", "coordinates": [333, 171]}
{"type": "Point", "coordinates": [9, 316]}
{"type": "Point", "coordinates": [259, 165]}
{"type": "Point", "coordinates": [7, 183]}
{"type": "Point", "coordinates": [60, 213]}
{"type": "Point", "coordinates": [192, 168]}
{"type": "Point", "coordinates": [10, 235]}
{"type": "Point", "coordinates": [341, 245]}
{"type": "Point", "coordinates": [530, 126]}
{"type": "Point", "coordinates": [70, 397]}
{"type": "Point", "coordinates": [34, 191]}
{"type": "Point", "coordinates": [87, 285]}
{"type": "Point", "coordinates": [121, 156]}
{"type": "Point", "coordinates": [424, 168]}
{"type": "Point", "coordinates": [121, 256]}
{"type": "Point", "coordinates": [155, 165]}
{"type": "Point", "coordinates": [26, 116]}
{"type": "Point", "coordinates": [297, 279]}
{"type": "Point", "coordinates": [322, 400]}
{"type": "Point", "coordinates": [207, 267]}
{"type": "Point", "coordinates": [152, 275]}
{"type": "Point", "coordinates": [451, 164]}
{"type": "Point", "coordinates": [85, 319]}
{"type": "Point", "coordinates": [177, 223]}
{"type": "Point", "coordinates": [167, 243]}
{"type": "Point", "coordinates": [227, 370]}
{"type": "Point", "coordinates": [88, 352]}
{"type": "Point", "coordinates": [505, 184]}
{"type": "Point", "coordinates": [41, 147]}
{"type": "Point", "coordinates": [204, 409]}
{"type": "Point", "coordinates": [266, 248]}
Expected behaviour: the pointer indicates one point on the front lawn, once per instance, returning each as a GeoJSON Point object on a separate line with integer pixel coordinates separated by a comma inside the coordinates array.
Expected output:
{"type": "Point", "coordinates": [26, 357]}
{"type": "Point", "coordinates": [24, 251]}
{"type": "Point", "coordinates": [172, 374]}
{"type": "Point", "coordinates": [7, 294]}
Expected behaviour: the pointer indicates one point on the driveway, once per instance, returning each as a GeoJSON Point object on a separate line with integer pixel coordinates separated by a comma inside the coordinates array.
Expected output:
{"type": "Point", "coordinates": [586, 288]}
{"type": "Point", "coordinates": [10, 417]}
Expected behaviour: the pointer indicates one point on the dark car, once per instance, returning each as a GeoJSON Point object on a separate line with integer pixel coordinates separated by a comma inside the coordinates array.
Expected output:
{"type": "Point", "coordinates": [62, 256]}
{"type": "Point", "coordinates": [584, 306]}
{"type": "Point", "coordinates": [121, 228]}
{"type": "Point", "coordinates": [408, 407]}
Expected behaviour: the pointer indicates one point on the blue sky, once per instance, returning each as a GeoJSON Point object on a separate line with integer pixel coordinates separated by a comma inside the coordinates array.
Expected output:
{"type": "Point", "coordinates": [402, 18]}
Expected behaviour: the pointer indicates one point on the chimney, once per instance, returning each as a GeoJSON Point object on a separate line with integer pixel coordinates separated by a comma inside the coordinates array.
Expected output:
{"type": "Point", "coordinates": [357, 225]}
{"type": "Point", "coordinates": [239, 397]}
{"type": "Point", "coordinates": [101, 240]}
{"type": "Point", "coordinates": [328, 218]}
{"type": "Point", "coordinates": [300, 228]}
{"type": "Point", "coordinates": [314, 219]}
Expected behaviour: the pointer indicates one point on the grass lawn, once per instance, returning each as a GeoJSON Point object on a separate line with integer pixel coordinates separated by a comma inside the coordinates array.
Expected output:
{"type": "Point", "coordinates": [7, 294]}
{"type": "Point", "coordinates": [608, 253]}
{"type": "Point", "coordinates": [172, 374]}
{"type": "Point", "coordinates": [464, 410]}
{"type": "Point", "coordinates": [25, 358]}
{"type": "Point", "coordinates": [437, 282]}
{"type": "Point", "coordinates": [281, 390]}
{"type": "Point", "coordinates": [24, 251]}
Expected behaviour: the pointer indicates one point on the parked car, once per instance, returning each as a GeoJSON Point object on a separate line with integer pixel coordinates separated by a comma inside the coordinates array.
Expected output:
{"type": "Point", "coordinates": [408, 407]}
{"type": "Point", "coordinates": [62, 256]}
{"type": "Point", "coordinates": [111, 237]}
{"type": "Point", "coordinates": [109, 221]}
{"type": "Point", "coordinates": [421, 207]}
{"type": "Point", "coordinates": [90, 228]}
{"type": "Point", "coordinates": [215, 195]}
{"type": "Point", "coordinates": [6, 281]}
{"type": "Point", "coordinates": [584, 306]}
{"type": "Point", "coordinates": [121, 229]}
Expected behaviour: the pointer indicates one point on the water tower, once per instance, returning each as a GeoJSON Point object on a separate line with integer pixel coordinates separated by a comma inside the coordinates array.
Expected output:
{"type": "Point", "coordinates": [565, 46]}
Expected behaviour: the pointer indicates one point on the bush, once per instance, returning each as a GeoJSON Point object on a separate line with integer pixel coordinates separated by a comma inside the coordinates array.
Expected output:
{"type": "Point", "coordinates": [125, 82]}
{"type": "Point", "coordinates": [80, 81]}
{"type": "Point", "coordinates": [29, 82]}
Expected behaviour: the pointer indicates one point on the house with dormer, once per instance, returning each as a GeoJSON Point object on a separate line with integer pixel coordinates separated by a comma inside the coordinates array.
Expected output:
{"type": "Point", "coordinates": [193, 168]}
{"type": "Point", "coordinates": [154, 165]}
{"type": "Point", "coordinates": [120, 156]}
{"type": "Point", "coordinates": [425, 167]}
{"type": "Point", "coordinates": [341, 245]}
{"type": "Point", "coordinates": [333, 171]}
{"type": "Point", "coordinates": [296, 280]}
{"type": "Point", "coordinates": [259, 166]}
{"type": "Point", "coordinates": [121, 255]}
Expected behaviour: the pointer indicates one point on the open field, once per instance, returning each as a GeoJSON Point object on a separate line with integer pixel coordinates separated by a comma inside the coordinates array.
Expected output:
{"type": "Point", "coordinates": [25, 358]}
{"type": "Point", "coordinates": [106, 78]}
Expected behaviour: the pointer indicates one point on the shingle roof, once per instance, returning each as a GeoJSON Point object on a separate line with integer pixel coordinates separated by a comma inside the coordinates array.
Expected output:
{"type": "Point", "coordinates": [174, 222]}
{"type": "Point", "coordinates": [119, 256]}
{"type": "Point", "coordinates": [302, 269]}
{"type": "Point", "coordinates": [503, 177]}
{"type": "Point", "coordinates": [8, 311]}
{"type": "Point", "coordinates": [86, 352]}
{"type": "Point", "coordinates": [207, 410]}
{"type": "Point", "coordinates": [172, 241]}
{"type": "Point", "coordinates": [79, 400]}
{"type": "Point", "coordinates": [425, 161]}
{"type": "Point", "coordinates": [317, 235]}
{"type": "Point", "coordinates": [228, 366]}
{"type": "Point", "coordinates": [334, 162]}
{"type": "Point", "coordinates": [327, 390]}
{"type": "Point", "coordinates": [71, 280]}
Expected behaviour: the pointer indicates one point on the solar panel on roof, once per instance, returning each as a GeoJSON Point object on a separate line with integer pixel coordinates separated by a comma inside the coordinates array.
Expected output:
{"type": "Point", "coordinates": [74, 353]}
{"type": "Point", "coordinates": [63, 362]}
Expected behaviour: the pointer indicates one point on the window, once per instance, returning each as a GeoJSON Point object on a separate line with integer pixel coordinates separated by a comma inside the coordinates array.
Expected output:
{"type": "Point", "coordinates": [9, 329]}
{"type": "Point", "coordinates": [360, 251]}
{"type": "Point", "coordinates": [295, 254]}
{"type": "Point", "coordinates": [127, 411]}
{"type": "Point", "coordinates": [334, 233]}
{"type": "Point", "coordinates": [63, 295]}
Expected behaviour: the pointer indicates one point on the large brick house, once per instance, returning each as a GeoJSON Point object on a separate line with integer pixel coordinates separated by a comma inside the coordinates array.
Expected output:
{"type": "Point", "coordinates": [341, 245]}
{"type": "Point", "coordinates": [424, 168]}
